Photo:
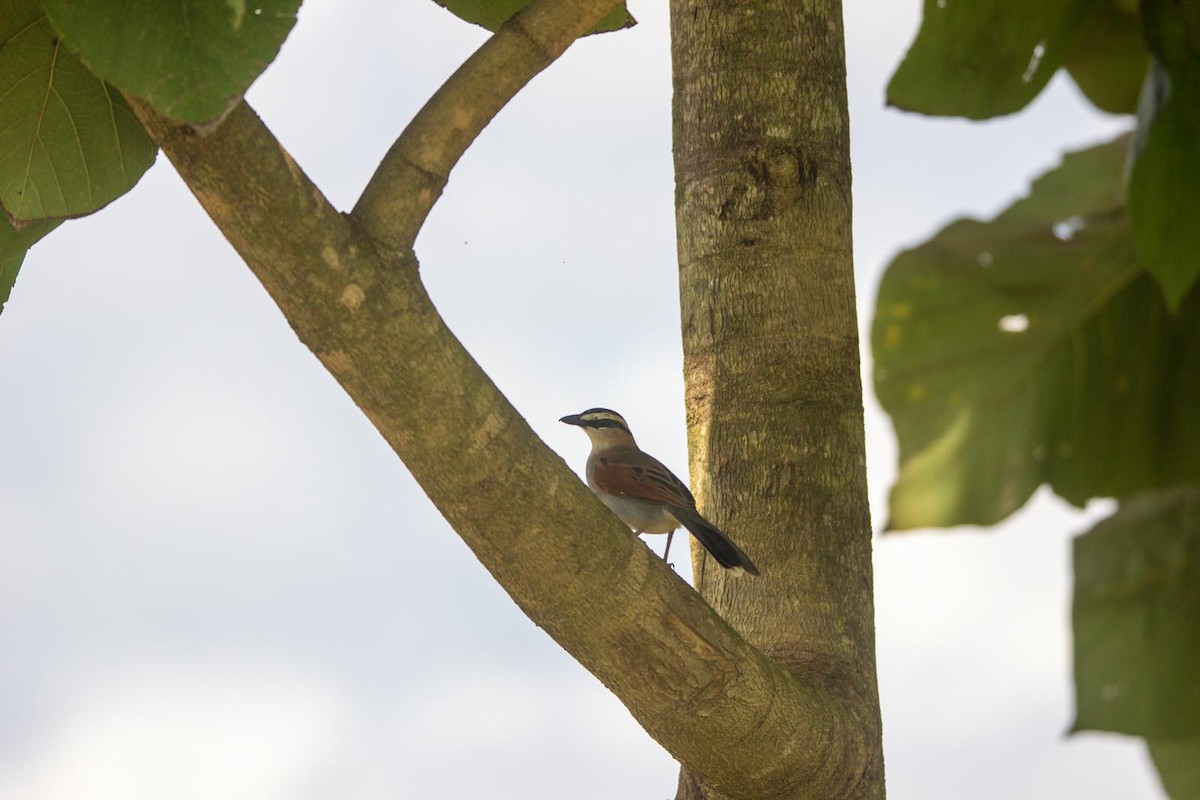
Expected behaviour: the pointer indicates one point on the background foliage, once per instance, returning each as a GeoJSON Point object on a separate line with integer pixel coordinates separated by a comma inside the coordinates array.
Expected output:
{"type": "Point", "coordinates": [1060, 342]}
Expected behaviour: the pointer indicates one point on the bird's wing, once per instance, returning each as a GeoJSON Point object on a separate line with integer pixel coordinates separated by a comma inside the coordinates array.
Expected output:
{"type": "Point", "coordinates": [641, 478]}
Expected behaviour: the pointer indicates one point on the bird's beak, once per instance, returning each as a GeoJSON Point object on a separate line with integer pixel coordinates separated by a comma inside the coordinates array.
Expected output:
{"type": "Point", "coordinates": [572, 419]}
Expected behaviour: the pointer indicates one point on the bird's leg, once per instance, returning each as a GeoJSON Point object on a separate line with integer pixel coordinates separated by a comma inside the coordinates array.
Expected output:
{"type": "Point", "coordinates": [667, 549]}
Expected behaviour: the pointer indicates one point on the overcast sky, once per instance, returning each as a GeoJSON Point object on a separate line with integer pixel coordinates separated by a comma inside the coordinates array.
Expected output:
{"type": "Point", "coordinates": [217, 581]}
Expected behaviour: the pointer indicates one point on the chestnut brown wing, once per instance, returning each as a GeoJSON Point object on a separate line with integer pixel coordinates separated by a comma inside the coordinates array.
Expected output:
{"type": "Point", "coordinates": [641, 479]}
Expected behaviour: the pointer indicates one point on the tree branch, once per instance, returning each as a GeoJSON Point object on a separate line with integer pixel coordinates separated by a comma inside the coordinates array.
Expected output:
{"type": "Point", "coordinates": [711, 699]}
{"type": "Point", "coordinates": [416, 168]}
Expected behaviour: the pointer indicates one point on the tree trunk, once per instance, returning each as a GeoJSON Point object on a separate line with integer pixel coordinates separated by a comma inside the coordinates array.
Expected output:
{"type": "Point", "coordinates": [771, 354]}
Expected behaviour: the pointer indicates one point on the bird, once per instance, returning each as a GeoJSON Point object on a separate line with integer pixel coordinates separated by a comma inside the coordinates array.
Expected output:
{"type": "Point", "coordinates": [643, 493]}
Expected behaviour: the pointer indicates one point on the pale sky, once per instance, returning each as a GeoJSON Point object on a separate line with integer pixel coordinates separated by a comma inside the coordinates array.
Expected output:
{"type": "Point", "coordinates": [217, 581]}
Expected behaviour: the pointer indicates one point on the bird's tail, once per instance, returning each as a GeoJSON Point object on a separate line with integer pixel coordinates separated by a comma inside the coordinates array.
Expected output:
{"type": "Point", "coordinates": [719, 546]}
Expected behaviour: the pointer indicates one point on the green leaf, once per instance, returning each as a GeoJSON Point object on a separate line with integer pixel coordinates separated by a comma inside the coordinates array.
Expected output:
{"type": "Point", "coordinates": [1178, 765]}
{"type": "Point", "coordinates": [14, 244]}
{"type": "Point", "coordinates": [1172, 27]}
{"type": "Point", "coordinates": [1164, 193]}
{"type": "Point", "coordinates": [988, 57]}
{"type": "Point", "coordinates": [1164, 185]}
{"type": "Point", "coordinates": [192, 59]}
{"type": "Point", "coordinates": [68, 143]}
{"type": "Point", "coordinates": [1034, 349]}
{"type": "Point", "coordinates": [1110, 61]}
{"type": "Point", "coordinates": [491, 14]}
{"type": "Point", "coordinates": [1137, 604]}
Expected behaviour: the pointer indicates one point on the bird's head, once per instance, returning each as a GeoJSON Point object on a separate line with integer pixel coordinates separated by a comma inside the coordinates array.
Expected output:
{"type": "Point", "coordinates": [603, 426]}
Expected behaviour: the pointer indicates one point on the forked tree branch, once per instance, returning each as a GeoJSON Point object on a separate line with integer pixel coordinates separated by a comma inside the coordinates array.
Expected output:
{"type": "Point", "coordinates": [711, 699]}
{"type": "Point", "coordinates": [415, 170]}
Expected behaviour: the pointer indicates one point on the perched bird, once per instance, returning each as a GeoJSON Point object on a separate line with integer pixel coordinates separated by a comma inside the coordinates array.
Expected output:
{"type": "Point", "coordinates": [643, 493]}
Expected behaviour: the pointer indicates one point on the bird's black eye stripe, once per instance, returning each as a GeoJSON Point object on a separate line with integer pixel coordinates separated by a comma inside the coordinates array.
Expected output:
{"type": "Point", "coordinates": [605, 423]}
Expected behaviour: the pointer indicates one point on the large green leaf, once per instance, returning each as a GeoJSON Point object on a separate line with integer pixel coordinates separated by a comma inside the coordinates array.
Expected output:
{"type": "Point", "coordinates": [1034, 349]}
{"type": "Point", "coordinates": [1110, 60]}
{"type": "Point", "coordinates": [1178, 764]}
{"type": "Point", "coordinates": [190, 58]}
{"type": "Point", "coordinates": [14, 243]}
{"type": "Point", "coordinates": [1164, 187]}
{"type": "Point", "coordinates": [1137, 618]}
{"type": "Point", "coordinates": [1172, 28]}
{"type": "Point", "coordinates": [68, 143]}
{"type": "Point", "coordinates": [985, 58]}
{"type": "Point", "coordinates": [1164, 194]}
{"type": "Point", "coordinates": [491, 14]}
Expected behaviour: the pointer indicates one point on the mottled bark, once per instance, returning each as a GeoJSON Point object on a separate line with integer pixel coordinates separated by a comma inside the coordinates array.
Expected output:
{"type": "Point", "coordinates": [771, 352]}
